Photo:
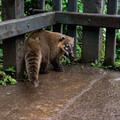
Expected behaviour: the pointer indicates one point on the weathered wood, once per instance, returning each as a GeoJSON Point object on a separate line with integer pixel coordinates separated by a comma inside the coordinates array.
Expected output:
{"type": "Point", "coordinates": [20, 26]}
{"type": "Point", "coordinates": [72, 29]}
{"type": "Point", "coordinates": [88, 19]}
{"type": "Point", "coordinates": [57, 6]}
{"type": "Point", "coordinates": [41, 4]}
{"type": "Point", "coordinates": [111, 36]}
{"type": "Point", "coordinates": [91, 36]}
{"type": "Point", "coordinates": [37, 11]}
{"type": "Point", "coordinates": [13, 51]}
{"type": "Point", "coordinates": [12, 9]}
{"type": "Point", "coordinates": [112, 7]}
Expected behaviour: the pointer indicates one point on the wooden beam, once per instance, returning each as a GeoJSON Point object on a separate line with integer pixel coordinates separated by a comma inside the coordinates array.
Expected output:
{"type": "Point", "coordinates": [91, 35]}
{"type": "Point", "coordinates": [57, 6]}
{"type": "Point", "coordinates": [12, 9]}
{"type": "Point", "coordinates": [20, 26]}
{"type": "Point", "coordinates": [13, 47]}
{"type": "Point", "coordinates": [88, 19]}
{"type": "Point", "coordinates": [110, 45]}
{"type": "Point", "coordinates": [72, 29]}
{"type": "Point", "coordinates": [41, 4]}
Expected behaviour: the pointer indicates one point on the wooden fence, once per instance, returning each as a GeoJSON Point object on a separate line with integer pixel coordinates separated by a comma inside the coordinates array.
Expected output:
{"type": "Point", "coordinates": [15, 25]}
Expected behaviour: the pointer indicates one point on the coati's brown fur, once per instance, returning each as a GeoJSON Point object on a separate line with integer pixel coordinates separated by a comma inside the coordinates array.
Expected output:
{"type": "Point", "coordinates": [43, 46]}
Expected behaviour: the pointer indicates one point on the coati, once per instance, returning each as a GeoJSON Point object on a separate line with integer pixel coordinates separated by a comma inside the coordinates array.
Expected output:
{"type": "Point", "coordinates": [42, 47]}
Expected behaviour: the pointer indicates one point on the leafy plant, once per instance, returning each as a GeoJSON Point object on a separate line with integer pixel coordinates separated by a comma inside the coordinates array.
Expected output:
{"type": "Point", "coordinates": [80, 6]}
{"type": "Point", "coordinates": [118, 35]}
{"type": "Point", "coordinates": [97, 64]}
{"type": "Point", "coordinates": [117, 57]}
{"type": "Point", "coordinates": [11, 69]}
{"type": "Point", "coordinates": [1, 53]}
{"type": "Point", "coordinates": [4, 79]}
{"type": "Point", "coordinates": [29, 5]}
{"type": "Point", "coordinates": [65, 61]}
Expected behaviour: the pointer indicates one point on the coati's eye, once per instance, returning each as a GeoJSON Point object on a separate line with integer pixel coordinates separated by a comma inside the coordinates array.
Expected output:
{"type": "Point", "coordinates": [62, 38]}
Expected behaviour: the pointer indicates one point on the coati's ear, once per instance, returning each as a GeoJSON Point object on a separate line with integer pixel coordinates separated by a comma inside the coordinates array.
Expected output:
{"type": "Point", "coordinates": [62, 38]}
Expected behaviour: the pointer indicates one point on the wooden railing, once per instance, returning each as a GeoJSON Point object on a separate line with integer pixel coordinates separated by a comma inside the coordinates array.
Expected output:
{"type": "Point", "coordinates": [12, 31]}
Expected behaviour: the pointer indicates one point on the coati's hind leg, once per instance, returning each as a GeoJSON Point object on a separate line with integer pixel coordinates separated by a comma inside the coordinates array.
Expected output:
{"type": "Point", "coordinates": [43, 68]}
{"type": "Point", "coordinates": [55, 63]}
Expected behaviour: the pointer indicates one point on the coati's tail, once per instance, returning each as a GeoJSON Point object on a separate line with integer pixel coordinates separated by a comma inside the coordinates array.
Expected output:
{"type": "Point", "coordinates": [33, 60]}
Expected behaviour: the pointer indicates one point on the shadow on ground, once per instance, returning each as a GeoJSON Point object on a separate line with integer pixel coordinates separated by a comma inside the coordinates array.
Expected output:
{"type": "Point", "coordinates": [81, 92]}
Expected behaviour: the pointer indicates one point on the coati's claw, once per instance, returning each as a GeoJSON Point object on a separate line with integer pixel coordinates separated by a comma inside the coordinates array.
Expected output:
{"type": "Point", "coordinates": [35, 83]}
{"type": "Point", "coordinates": [58, 69]}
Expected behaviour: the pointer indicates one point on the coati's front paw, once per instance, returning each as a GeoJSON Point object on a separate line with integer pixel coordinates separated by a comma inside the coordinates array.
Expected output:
{"type": "Point", "coordinates": [58, 69]}
{"type": "Point", "coordinates": [35, 83]}
{"type": "Point", "coordinates": [44, 72]}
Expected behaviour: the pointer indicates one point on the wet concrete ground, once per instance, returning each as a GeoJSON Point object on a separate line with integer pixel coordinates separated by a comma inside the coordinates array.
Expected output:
{"type": "Point", "coordinates": [81, 92]}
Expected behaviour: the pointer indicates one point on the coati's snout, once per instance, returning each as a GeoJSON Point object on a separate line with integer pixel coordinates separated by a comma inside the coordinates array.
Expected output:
{"type": "Point", "coordinates": [68, 46]}
{"type": "Point", "coordinates": [68, 50]}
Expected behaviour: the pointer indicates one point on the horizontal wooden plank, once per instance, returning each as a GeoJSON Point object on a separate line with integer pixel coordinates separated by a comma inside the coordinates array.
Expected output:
{"type": "Point", "coordinates": [36, 11]}
{"type": "Point", "coordinates": [20, 26]}
{"type": "Point", "coordinates": [87, 19]}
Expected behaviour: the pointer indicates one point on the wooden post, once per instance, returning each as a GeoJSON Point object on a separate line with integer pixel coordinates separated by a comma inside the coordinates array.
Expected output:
{"type": "Point", "coordinates": [72, 29]}
{"type": "Point", "coordinates": [111, 36]}
{"type": "Point", "coordinates": [91, 35]}
{"type": "Point", "coordinates": [57, 6]}
{"type": "Point", "coordinates": [13, 47]}
{"type": "Point", "coordinates": [41, 4]}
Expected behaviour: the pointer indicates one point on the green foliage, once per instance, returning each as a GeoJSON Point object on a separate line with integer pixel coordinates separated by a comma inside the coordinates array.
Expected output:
{"type": "Point", "coordinates": [79, 43]}
{"type": "Point", "coordinates": [7, 76]}
{"type": "Point", "coordinates": [1, 66]}
{"type": "Point", "coordinates": [29, 5]}
{"type": "Point", "coordinates": [0, 18]}
{"type": "Point", "coordinates": [105, 7]}
{"type": "Point", "coordinates": [118, 48]}
{"type": "Point", "coordinates": [11, 71]}
{"type": "Point", "coordinates": [65, 61]}
{"type": "Point", "coordinates": [1, 53]}
{"type": "Point", "coordinates": [103, 39]}
{"type": "Point", "coordinates": [117, 52]}
{"type": "Point", "coordinates": [97, 64]}
{"type": "Point", "coordinates": [118, 35]}
{"type": "Point", "coordinates": [80, 6]}
{"type": "Point", "coordinates": [78, 52]}
{"type": "Point", "coordinates": [6, 79]}
{"type": "Point", "coordinates": [117, 64]}
{"type": "Point", "coordinates": [65, 5]}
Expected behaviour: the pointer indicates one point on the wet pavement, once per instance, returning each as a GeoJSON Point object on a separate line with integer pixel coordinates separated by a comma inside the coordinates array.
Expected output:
{"type": "Point", "coordinates": [81, 92]}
